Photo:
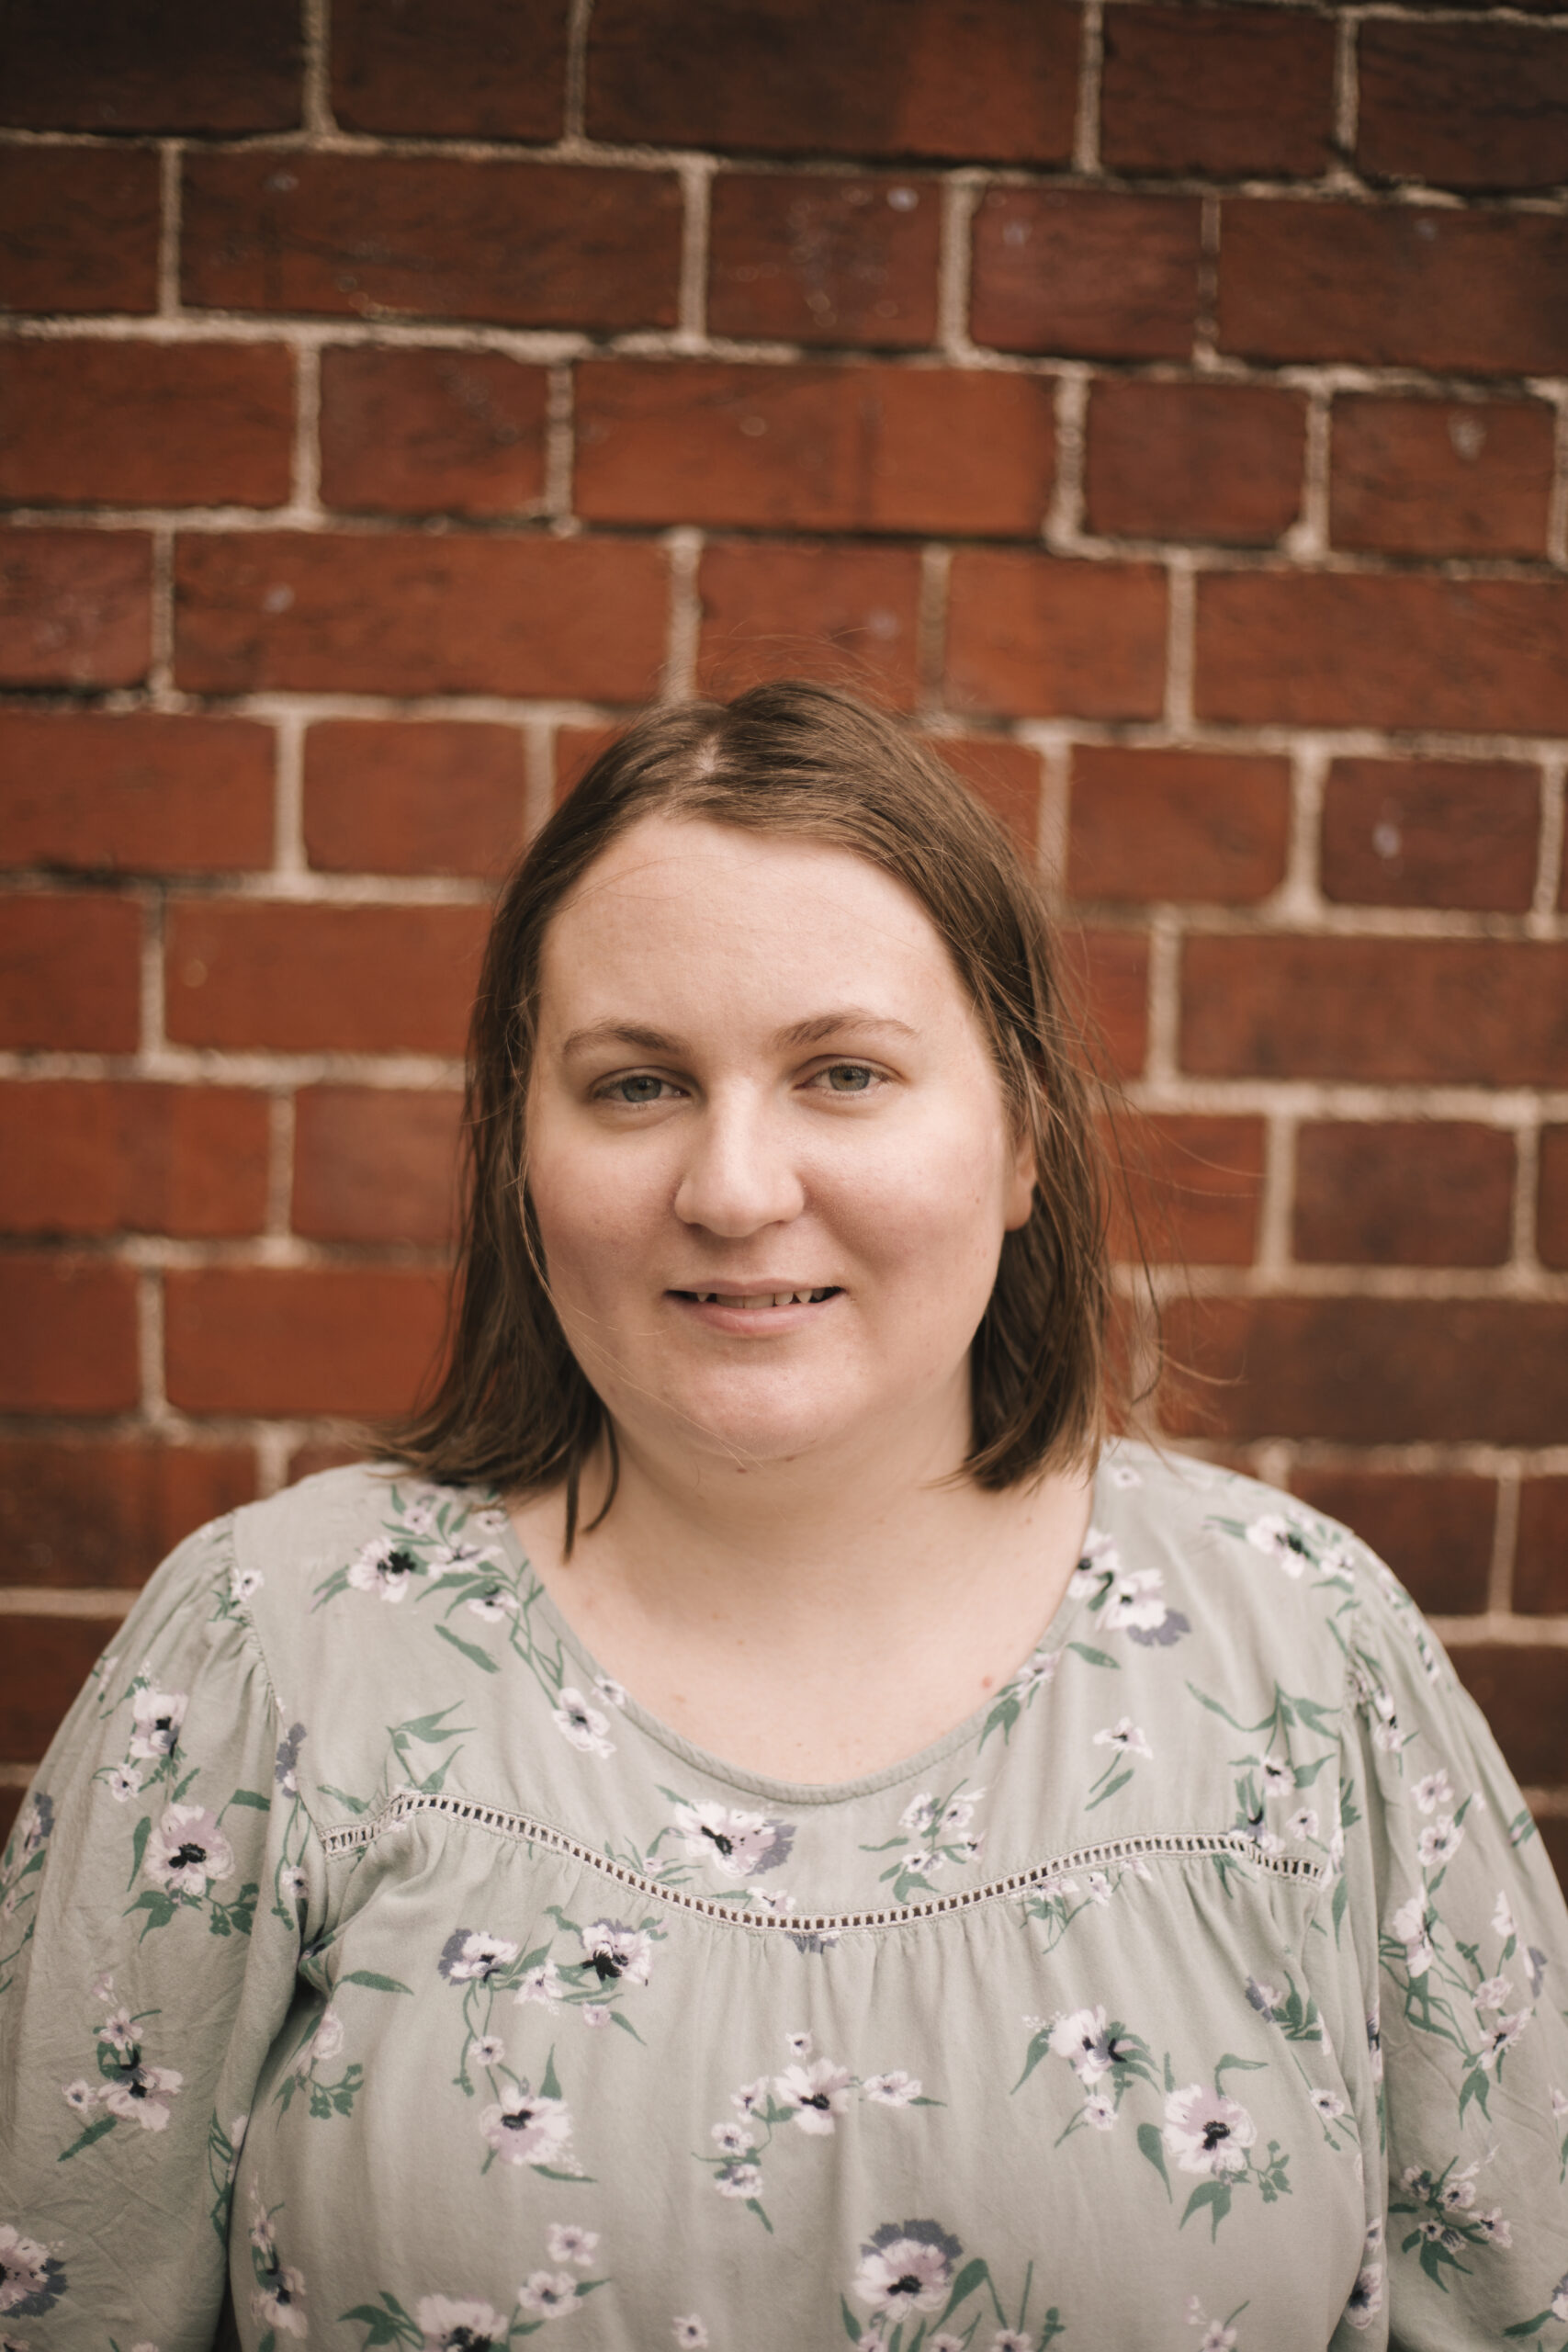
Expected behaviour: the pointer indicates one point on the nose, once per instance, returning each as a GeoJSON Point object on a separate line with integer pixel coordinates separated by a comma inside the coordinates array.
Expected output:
{"type": "Point", "coordinates": [740, 1174]}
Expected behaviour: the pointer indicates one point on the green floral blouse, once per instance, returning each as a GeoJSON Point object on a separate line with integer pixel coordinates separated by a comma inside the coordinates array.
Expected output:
{"type": "Point", "coordinates": [374, 1971]}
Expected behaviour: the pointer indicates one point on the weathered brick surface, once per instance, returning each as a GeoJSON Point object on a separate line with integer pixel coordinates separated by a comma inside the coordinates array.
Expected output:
{"type": "Point", "coordinates": [328, 1340]}
{"type": "Point", "coordinates": [1540, 1570]}
{"type": "Point", "coordinates": [1524, 1693]}
{"type": "Point", "coordinates": [1491, 1012]}
{"type": "Point", "coordinates": [1342, 650]}
{"type": "Point", "coordinates": [75, 608]}
{"type": "Point", "coordinates": [575, 749]}
{"type": "Point", "coordinates": [138, 794]}
{"type": "Point", "coordinates": [1154, 825]}
{"type": "Point", "coordinates": [474, 69]}
{"type": "Point", "coordinates": [78, 229]}
{"type": "Point", "coordinates": [70, 973]}
{"type": "Point", "coordinates": [73, 65]}
{"type": "Point", "coordinates": [1441, 477]}
{"type": "Point", "coordinates": [1435, 1193]}
{"type": "Point", "coordinates": [375, 1164]}
{"type": "Point", "coordinates": [1234, 91]}
{"type": "Point", "coordinates": [102, 1512]}
{"type": "Point", "coordinates": [774, 610]}
{"type": "Point", "coordinates": [814, 448]}
{"type": "Point", "coordinates": [419, 613]}
{"type": "Point", "coordinates": [1414, 286]}
{"type": "Point", "coordinates": [433, 796]}
{"type": "Point", "coordinates": [991, 79]}
{"type": "Point", "coordinates": [426, 237]}
{"type": "Point", "coordinates": [1552, 1239]}
{"type": "Point", "coordinates": [359, 979]}
{"type": "Point", "coordinates": [1193, 1188]}
{"type": "Point", "coordinates": [431, 431]}
{"type": "Point", "coordinates": [1466, 105]}
{"type": "Point", "coordinates": [145, 425]}
{"type": "Point", "coordinates": [58, 1654]}
{"type": "Point", "coordinates": [1084, 274]}
{"type": "Point", "coordinates": [83, 1158]}
{"type": "Point", "coordinates": [1434, 1532]}
{"type": "Point", "coordinates": [1028, 634]}
{"type": "Point", "coordinates": [1432, 833]}
{"type": "Point", "coordinates": [70, 1334]}
{"type": "Point", "coordinates": [1107, 980]}
{"type": "Point", "coordinates": [1003, 775]}
{"type": "Point", "coordinates": [841, 260]}
{"type": "Point", "coordinates": [1194, 461]}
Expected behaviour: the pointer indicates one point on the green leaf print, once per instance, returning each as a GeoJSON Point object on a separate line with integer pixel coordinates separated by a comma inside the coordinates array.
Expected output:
{"type": "Point", "coordinates": [1151, 2145]}
{"type": "Point", "coordinates": [476, 1657]}
{"type": "Point", "coordinates": [1214, 2194]}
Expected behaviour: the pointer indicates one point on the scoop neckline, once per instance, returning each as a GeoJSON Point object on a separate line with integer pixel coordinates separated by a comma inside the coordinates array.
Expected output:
{"type": "Point", "coordinates": [799, 1794]}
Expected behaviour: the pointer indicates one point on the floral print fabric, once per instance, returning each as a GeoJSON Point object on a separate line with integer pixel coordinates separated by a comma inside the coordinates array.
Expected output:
{"type": "Point", "coordinates": [375, 1972]}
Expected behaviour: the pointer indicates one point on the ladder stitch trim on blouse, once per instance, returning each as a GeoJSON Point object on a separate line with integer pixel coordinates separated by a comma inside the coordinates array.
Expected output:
{"type": "Point", "coordinates": [1181, 1843]}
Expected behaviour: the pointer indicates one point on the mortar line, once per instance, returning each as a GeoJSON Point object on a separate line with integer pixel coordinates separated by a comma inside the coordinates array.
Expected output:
{"type": "Point", "coordinates": [697, 175]}
{"type": "Point", "coordinates": [1505, 1542]}
{"type": "Point", "coordinates": [575, 109]}
{"type": "Point", "coordinates": [1091, 64]}
{"type": "Point", "coordinates": [170, 216]}
{"type": "Point", "coordinates": [684, 630]}
{"type": "Point", "coordinates": [281, 1124]}
{"type": "Point", "coordinates": [289, 861]}
{"type": "Point", "coordinates": [316, 110]}
{"type": "Point", "coordinates": [961, 194]}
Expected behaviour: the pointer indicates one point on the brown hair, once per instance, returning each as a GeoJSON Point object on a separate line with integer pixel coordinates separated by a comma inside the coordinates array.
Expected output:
{"type": "Point", "coordinates": [513, 1408]}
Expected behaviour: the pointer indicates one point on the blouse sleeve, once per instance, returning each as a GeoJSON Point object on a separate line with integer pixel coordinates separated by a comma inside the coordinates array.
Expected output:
{"type": "Point", "coordinates": [1460, 1939]}
{"type": "Point", "coordinates": [153, 1901]}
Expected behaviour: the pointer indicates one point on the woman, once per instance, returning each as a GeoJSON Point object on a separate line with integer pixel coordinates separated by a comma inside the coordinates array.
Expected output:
{"type": "Point", "coordinates": [755, 1828]}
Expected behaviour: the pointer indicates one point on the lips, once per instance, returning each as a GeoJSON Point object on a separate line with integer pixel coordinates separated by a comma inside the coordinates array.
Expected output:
{"type": "Point", "coordinates": [751, 1302]}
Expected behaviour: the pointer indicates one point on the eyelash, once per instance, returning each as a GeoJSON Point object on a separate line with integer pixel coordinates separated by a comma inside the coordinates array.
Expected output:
{"type": "Point", "coordinates": [608, 1092]}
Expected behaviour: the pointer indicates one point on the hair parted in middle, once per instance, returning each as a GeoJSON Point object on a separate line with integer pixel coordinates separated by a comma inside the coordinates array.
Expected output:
{"type": "Point", "coordinates": [512, 1409]}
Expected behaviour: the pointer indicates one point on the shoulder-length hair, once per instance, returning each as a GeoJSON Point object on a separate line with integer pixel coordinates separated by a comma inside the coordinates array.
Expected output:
{"type": "Point", "coordinates": [511, 1407]}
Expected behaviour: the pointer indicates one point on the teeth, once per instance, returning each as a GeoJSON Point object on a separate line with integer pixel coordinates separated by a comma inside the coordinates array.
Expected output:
{"type": "Point", "coordinates": [765, 1298]}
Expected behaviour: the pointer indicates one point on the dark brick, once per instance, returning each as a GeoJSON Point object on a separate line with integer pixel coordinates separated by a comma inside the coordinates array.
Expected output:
{"type": "Point", "coordinates": [850, 613]}
{"type": "Point", "coordinates": [1085, 273]}
{"type": "Point", "coordinates": [1432, 833]}
{"type": "Point", "coordinates": [70, 1334]}
{"type": "Point", "coordinates": [337, 1339]}
{"type": "Point", "coordinates": [428, 237]}
{"type": "Point", "coordinates": [1523, 1693]}
{"type": "Point", "coordinates": [1194, 461]}
{"type": "Point", "coordinates": [477, 69]}
{"type": "Point", "coordinates": [815, 260]}
{"type": "Point", "coordinates": [79, 1513]}
{"type": "Point", "coordinates": [1553, 1827]}
{"type": "Point", "coordinates": [374, 1164]}
{"type": "Point", "coordinates": [75, 607]}
{"type": "Point", "coordinates": [1161, 825]}
{"type": "Point", "coordinates": [414, 796]}
{"type": "Point", "coordinates": [1432, 1193]}
{"type": "Point", "coordinates": [1440, 477]}
{"type": "Point", "coordinates": [1551, 1213]}
{"type": "Point", "coordinates": [357, 979]}
{"type": "Point", "coordinates": [431, 431]}
{"type": "Point", "coordinates": [1468, 106]}
{"type": "Point", "coordinates": [70, 974]}
{"type": "Point", "coordinates": [49, 1658]}
{"type": "Point", "coordinates": [79, 228]}
{"type": "Point", "coordinates": [140, 793]}
{"type": "Point", "coordinates": [1541, 1556]}
{"type": "Point", "coordinates": [167, 65]}
{"type": "Point", "coordinates": [992, 79]}
{"type": "Point", "coordinates": [1232, 93]}
{"type": "Point", "coordinates": [1189, 1188]}
{"type": "Point", "coordinates": [1032, 636]}
{"type": "Point", "coordinates": [1435, 1530]}
{"type": "Point", "coordinates": [79, 1158]}
{"type": "Point", "coordinates": [146, 423]}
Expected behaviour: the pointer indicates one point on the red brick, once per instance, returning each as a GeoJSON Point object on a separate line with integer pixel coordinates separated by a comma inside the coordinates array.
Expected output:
{"type": "Point", "coordinates": [1440, 477]}
{"type": "Point", "coordinates": [1434, 1532]}
{"type": "Point", "coordinates": [1108, 981]}
{"type": "Point", "coordinates": [1432, 833]}
{"type": "Point", "coordinates": [431, 431]}
{"type": "Point", "coordinates": [70, 974]}
{"type": "Point", "coordinates": [420, 796]}
{"type": "Point", "coordinates": [479, 69]}
{"type": "Point", "coordinates": [872, 448]}
{"type": "Point", "coordinates": [48, 1658]}
{"type": "Point", "coordinates": [177, 65]}
{"type": "Point", "coordinates": [79, 228]}
{"type": "Point", "coordinates": [1541, 1556]}
{"type": "Point", "coordinates": [1470, 106]}
{"type": "Point", "coordinates": [1408, 285]}
{"type": "Point", "coordinates": [146, 423]}
{"type": "Point", "coordinates": [339, 1340]}
{"type": "Point", "coordinates": [576, 749]}
{"type": "Point", "coordinates": [419, 613]}
{"type": "Point", "coordinates": [427, 237]}
{"type": "Point", "coordinates": [10, 1806]}
{"type": "Point", "coordinates": [1376, 1370]}
{"type": "Point", "coordinates": [1004, 775]}
{"type": "Point", "coordinates": [1189, 1188]}
{"type": "Point", "coordinates": [71, 1335]}
{"type": "Point", "coordinates": [306, 1461]}
{"type": "Point", "coordinates": [137, 794]}
{"type": "Point", "coordinates": [123, 1157]}
{"type": "Point", "coordinates": [303, 979]}
{"type": "Point", "coordinates": [1032, 636]}
{"type": "Point", "coordinates": [1551, 1213]}
{"type": "Point", "coordinates": [992, 79]}
{"type": "Point", "coordinates": [1084, 273]}
{"type": "Point", "coordinates": [374, 1165]}
{"type": "Point", "coordinates": [75, 607]}
{"type": "Point", "coordinates": [813, 260]}
{"type": "Point", "coordinates": [1234, 93]}
{"type": "Point", "coordinates": [83, 1512]}
{"type": "Point", "coordinates": [1161, 825]}
{"type": "Point", "coordinates": [1194, 461]}
{"type": "Point", "coordinates": [1342, 649]}
{"type": "Point", "coordinates": [1432, 1193]}
{"type": "Point", "coordinates": [850, 614]}
{"type": "Point", "coordinates": [1553, 1828]}
{"type": "Point", "coordinates": [1489, 1013]}
{"type": "Point", "coordinates": [1523, 1693]}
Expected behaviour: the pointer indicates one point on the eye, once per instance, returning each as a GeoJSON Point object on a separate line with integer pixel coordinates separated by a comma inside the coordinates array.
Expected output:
{"type": "Point", "coordinates": [636, 1088]}
{"type": "Point", "coordinates": [847, 1077]}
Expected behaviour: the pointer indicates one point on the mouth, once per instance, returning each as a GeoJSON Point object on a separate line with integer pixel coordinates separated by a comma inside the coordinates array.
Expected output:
{"type": "Point", "coordinates": [753, 1301]}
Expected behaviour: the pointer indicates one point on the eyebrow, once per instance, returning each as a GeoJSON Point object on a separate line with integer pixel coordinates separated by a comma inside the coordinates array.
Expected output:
{"type": "Point", "coordinates": [810, 1031]}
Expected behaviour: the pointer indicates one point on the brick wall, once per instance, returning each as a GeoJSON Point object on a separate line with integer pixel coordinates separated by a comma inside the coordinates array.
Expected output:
{"type": "Point", "coordinates": [1167, 404]}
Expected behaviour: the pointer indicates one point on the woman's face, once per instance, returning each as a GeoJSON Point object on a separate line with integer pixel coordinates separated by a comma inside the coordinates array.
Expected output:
{"type": "Point", "coordinates": [767, 1148]}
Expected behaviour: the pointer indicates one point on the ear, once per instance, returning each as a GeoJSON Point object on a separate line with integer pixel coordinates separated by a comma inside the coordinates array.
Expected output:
{"type": "Point", "coordinates": [1020, 1183]}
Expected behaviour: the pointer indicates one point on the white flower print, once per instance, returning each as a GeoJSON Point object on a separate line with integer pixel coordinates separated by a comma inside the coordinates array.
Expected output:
{"type": "Point", "coordinates": [1329, 2105]}
{"type": "Point", "coordinates": [815, 2094]}
{"type": "Point", "coordinates": [1409, 1927]}
{"type": "Point", "coordinates": [1121, 1474]}
{"type": "Point", "coordinates": [487, 2049]}
{"type": "Point", "coordinates": [732, 2139]}
{"type": "Point", "coordinates": [186, 1849]}
{"type": "Point", "coordinates": [958, 1812]}
{"type": "Point", "coordinates": [551, 2294]}
{"type": "Point", "coordinates": [384, 1568]}
{"type": "Point", "coordinates": [1136, 1609]}
{"type": "Point", "coordinates": [157, 1716]}
{"type": "Point", "coordinates": [1434, 1790]}
{"type": "Point", "coordinates": [1278, 1541]}
{"type": "Point", "coordinates": [799, 2045]}
{"type": "Point", "coordinates": [618, 1954]}
{"type": "Point", "coordinates": [752, 2095]}
{"type": "Point", "coordinates": [279, 2302]}
{"type": "Point", "coordinates": [689, 2333]}
{"type": "Point", "coordinates": [567, 2243]}
{"type": "Point", "coordinates": [542, 1983]}
{"type": "Point", "coordinates": [892, 2090]}
{"type": "Point", "coordinates": [613, 1694]}
{"type": "Point", "coordinates": [1207, 2133]}
{"type": "Point", "coordinates": [1560, 2299]}
{"type": "Point", "coordinates": [1492, 1995]}
{"type": "Point", "coordinates": [584, 1725]}
{"type": "Point", "coordinates": [1038, 1669]}
{"type": "Point", "coordinates": [1099, 2111]}
{"type": "Point", "coordinates": [594, 2013]}
{"type": "Point", "coordinates": [1276, 1776]}
{"type": "Point", "coordinates": [245, 1583]}
{"type": "Point", "coordinates": [323, 2044]}
{"type": "Point", "coordinates": [140, 2094]}
{"type": "Point", "coordinates": [1125, 1738]}
{"type": "Point", "coordinates": [1366, 2296]}
{"type": "Point", "coordinates": [738, 2181]}
{"type": "Point", "coordinates": [919, 1813]}
{"type": "Point", "coordinates": [28, 2274]}
{"type": "Point", "coordinates": [79, 2096]}
{"type": "Point", "coordinates": [1502, 1919]}
{"type": "Point", "coordinates": [121, 1784]}
{"type": "Point", "coordinates": [920, 1859]}
{"type": "Point", "coordinates": [906, 2266]}
{"type": "Point", "coordinates": [292, 1882]}
{"type": "Point", "coordinates": [494, 1606]}
{"type": "Point", "coordinates": [421, 1513]}
{"type": "Point", "coordinates": [468, 1956]}
{"type": "Point", "coordinates": [1438, 1844]}
{"type": "Point", "coordinates": [1494, 2229]}
{"type": "Point", "coordinates": [1082, 2037]}
{"type": "Point", "coordinates": [1503, 2036]}
{"type": "Point", "coordinates": [739, 1844]}
{"type": "Point", "coordinates": [1012, 2339]}
{"type": "Point", "coordinates": [118, 2030]}
{"type": "Point", "coordinates": [525, 2128]}
{"type": "Point", "coordinates": [454, 2327]}
{"type": "Point", "coordinates": [1303, 1824]}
